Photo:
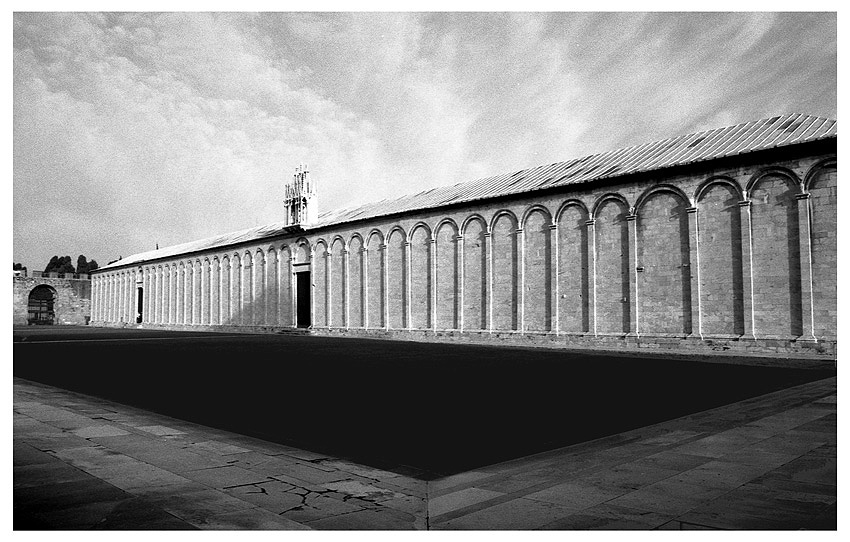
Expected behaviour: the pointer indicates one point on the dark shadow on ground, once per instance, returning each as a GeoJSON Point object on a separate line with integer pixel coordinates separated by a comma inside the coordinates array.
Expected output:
{"type": "Point", "coordinates": [425, 410]}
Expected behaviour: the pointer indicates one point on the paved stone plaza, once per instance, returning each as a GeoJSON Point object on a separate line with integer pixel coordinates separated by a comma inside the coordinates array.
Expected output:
{"type": "Point", "coordinates": [768, 462]}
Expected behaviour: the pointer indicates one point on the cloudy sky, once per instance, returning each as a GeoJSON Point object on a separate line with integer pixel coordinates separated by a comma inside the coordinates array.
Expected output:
{"type": "Point", "coordinates": [136, 129]}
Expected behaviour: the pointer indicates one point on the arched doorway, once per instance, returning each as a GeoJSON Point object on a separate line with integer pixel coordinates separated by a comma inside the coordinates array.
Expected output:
{"type": "Point", "coordinates": [40, 306]}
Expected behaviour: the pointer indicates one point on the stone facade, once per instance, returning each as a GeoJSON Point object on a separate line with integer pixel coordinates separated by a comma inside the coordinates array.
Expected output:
{"type": "Point", "coordinates": [72, 297]}
{"type": "Point", "coordinates": [736, 253]}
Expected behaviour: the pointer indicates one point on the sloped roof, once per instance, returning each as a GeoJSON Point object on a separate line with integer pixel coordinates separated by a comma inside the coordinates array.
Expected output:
{"type": "Point", "coordinates": [744, 138]}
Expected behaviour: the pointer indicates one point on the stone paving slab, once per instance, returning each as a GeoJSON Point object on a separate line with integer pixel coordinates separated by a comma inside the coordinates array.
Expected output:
{"type": "Point", "coordinates": [767, 462]}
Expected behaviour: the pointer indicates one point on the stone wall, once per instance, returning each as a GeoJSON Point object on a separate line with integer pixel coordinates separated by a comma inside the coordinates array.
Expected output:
{"type": "Point", "coordinates": [739, 253]}
{"type": "Point", "coordinates": [72, 305]}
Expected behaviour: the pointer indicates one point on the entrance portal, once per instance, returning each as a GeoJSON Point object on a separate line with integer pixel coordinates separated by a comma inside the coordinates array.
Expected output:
{"type": "Point", "coordinates": [302, 299]}
{"type": "Point", "coordinates": [139, 304]}
{"type": "Point", "coordinates": [40, 306]}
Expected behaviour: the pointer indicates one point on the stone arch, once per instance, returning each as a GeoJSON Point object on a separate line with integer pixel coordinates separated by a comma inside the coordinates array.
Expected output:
{"type": "Point", "coordinates": [225, 296]}
{"type": "Point", "coordinates": [663, 262]}
{"type": "Point", "coordinates": [337, 279]}
{"type": "Point", "coordinates": [356, 277]}
{"type": "Point", "coordinates": [821, 182]}
{"type": "Point", "coordinates": [505, 262]}
{"type": "Point", "coordinates": [303, 251]}
{"type": "Point", "coordinates": [320, 277]}
{"type": "Point", "coordinates": [236, 289]}
{"type": "Point", "coordinates": [396, 278]}
{"type": "Point", "coordinates": [205, 291]}
{"type": "Point", "coordinates": [469, 219]}
{"type": "Point", "coordinates": [447, 275]}
{"type": "Point", "coordinates": [567, 205]}
{"type": "Point", "coordinates": [654, 190]}
{"type": "Point", "coordinates": [420, 276]}
{"type": "Point", "coordinates": [248, 300]}
{"type": "Point", "coordinates": [537, 207]}
{"type": "Point", "coordinates": [537, 272]}
{"type": "Point", "coordinates": [774, 172]}
{"type": "Point", "coordinates": [475, 286]}
{"type": "Point", "coordinates": [777, 291]}
{"type": "Point", "coordinates": [607, 197]}
{"type": "Point", "coordinates": [711, 182]}
{"type": "Point", "coordinates": [167, 297]}
{"type": "Point", "coordinates": [374, 238]}
{"type": "Point", "coordinates": [197, 294]}
{"type": "Point", "coordinates": [375, 256]}
{"type": "Point", "coordinates": [272, 287]}
{"type": "Point", "coordinates": [42, 305]}
{"type": "Point", "coordinates": [721, 257]}
{"type": "Point", "coordinates": [612, 264]}
{"type": "Point", "coordinates": [574, 265]}
{"type": "Point", "coordinates": [259, 277]}
{"type": "Point", "coordinates": [501, 213]}
{"type": "Point", "coordinates": [215, 291]}
{"type": "Point", "coordinates": [284, 284]}
{"type": "Point", "coordinates": [178, 270]}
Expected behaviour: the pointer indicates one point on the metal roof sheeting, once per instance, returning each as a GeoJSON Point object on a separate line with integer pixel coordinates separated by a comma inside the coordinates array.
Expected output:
{"type": "Point", "coordinates": [754, 136]}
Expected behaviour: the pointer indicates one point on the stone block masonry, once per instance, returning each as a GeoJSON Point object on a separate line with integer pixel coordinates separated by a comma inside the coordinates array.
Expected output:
{"type": "Point", "coordinates": [736, 253]}
{"type": "Point", "coordinates": [71, 299]}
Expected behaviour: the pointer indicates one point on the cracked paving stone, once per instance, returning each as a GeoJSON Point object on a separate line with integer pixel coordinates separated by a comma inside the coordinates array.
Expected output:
{"type": "Point", "coordinates": [222, 477]}
{"type": "Point", "coordinates": [273, 496]}
{"type": "Point", "coordinates": [313, 476]}
{"type": "Point", "coordinates": [362, 491]}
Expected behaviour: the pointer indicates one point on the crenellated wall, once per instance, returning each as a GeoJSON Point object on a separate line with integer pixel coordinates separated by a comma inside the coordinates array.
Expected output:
{"type": "Point", "coordinates": [736, 254]}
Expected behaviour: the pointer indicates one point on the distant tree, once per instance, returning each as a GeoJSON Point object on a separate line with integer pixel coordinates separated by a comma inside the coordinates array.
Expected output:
{"type": "Point", "coordinates": [84, 266]}
{"type": "Point", "coordinates": [17, 267]}
{"type": "Point", "coordinates": [60, 265]}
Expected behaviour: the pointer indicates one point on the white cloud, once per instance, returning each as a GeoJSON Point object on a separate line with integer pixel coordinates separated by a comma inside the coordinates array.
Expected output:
{"type": "Point", "coordinates": [133, 129]}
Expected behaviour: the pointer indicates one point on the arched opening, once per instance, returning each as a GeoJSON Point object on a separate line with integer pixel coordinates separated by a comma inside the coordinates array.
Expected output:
{"type": "Point", "coordinates": [40, 305]}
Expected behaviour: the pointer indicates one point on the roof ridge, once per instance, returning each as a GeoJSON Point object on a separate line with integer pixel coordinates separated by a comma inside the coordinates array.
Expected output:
{"type": "Point", "coordinates": [678, 150]}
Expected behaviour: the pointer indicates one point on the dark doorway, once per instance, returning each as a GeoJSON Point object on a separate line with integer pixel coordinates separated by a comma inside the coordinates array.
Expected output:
{"type": "Point", "coordinates": [40, 306]}
{"type": "Point", "coordinates": [139, 304]}
{"type": "Point", "coordinates": [302, 299]}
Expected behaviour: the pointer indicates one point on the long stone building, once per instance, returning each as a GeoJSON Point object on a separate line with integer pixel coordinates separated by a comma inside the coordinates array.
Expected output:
{"type": "Point", "coordinates": [718, 240]}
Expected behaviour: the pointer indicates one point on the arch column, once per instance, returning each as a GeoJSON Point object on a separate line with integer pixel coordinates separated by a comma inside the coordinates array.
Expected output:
{"type": "Point", "coordinates": [432, 256]}
{"type": "Point", "coordinates": [205, 292]}
{"type": "Point", "coordinates": [520, 294]}
{"type": "Point", "coordinates": [747, 268]}
{"type": "Point", "coordinates": [634, 327]}
{"type": "Point", "coordinates": [163, 303]}
{"type": "Point", "coordinates": [327, 286]}
{"type": "Point", "coordinates": [460, 278]}
{"type": "Point", "coordinates": [119, 294]}
{"type": "Point", "coordinates": [406, 284]}
{"type": "Point", "coordinates": [591, 253]}
{"type": "Point", "coordinates": [174, 294]}
{"type": "Point", "coordinates": [364, 282]}
{"type": "Point", "coordinates": [806, 287]}
{"type": "Point", "coordinates": [196, 292]}
{"type": "Point", "coordinates": [293, 288]}
{"type": "Point", "coordinates": [155, 302]}
{"type": "Point", "coordinates": [385, 278]}
{"type": "Point", "coordinates": [346, 303]}
{"type": "Point", "coordinates": [488, 262]}
{"type": "Point", "coordinates": [554, 307]}
{"type": "Point", "coordinates": [694, 273]}
{"type": "Point", "coordinates": [214, 292]}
